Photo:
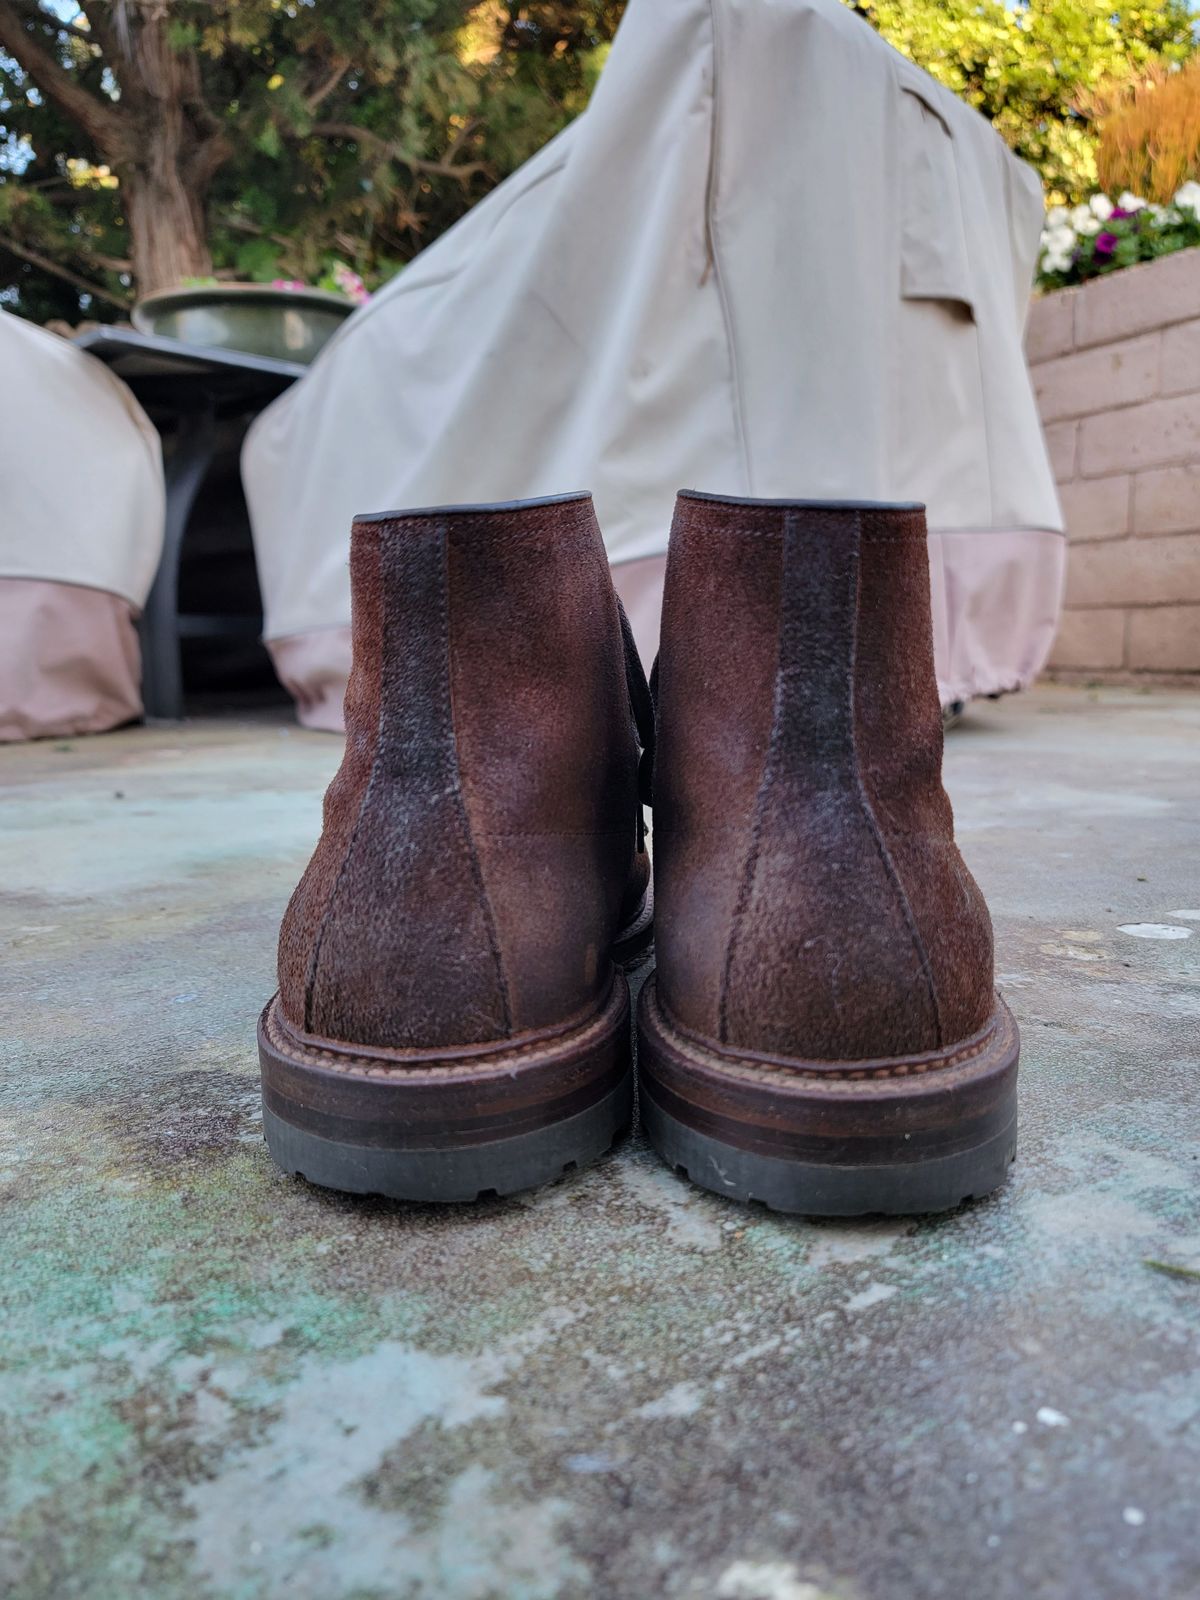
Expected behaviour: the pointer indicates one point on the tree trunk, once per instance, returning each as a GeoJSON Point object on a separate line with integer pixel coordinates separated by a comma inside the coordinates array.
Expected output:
{"type": "Point", "coordinates": [168, 230]}
{"type": "Point", "coordinates": [159, 136]}
{"type": "Point", "coordinates": [166, 171]}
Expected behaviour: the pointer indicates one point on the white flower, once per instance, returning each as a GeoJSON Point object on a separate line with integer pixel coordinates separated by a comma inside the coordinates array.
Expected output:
{"type": "Point", "coordinates": [1053, 261]}
{"type": "Point", "coordinates": [1056, 216]}
{"type": "Point", "coordinates": [1102, 206]}
{"type": "Point", "coordinates": [1164, 216]}
{"type": "Point", "coordinates": [1188, 197]}
{"type": "Point", "coordinates": [1085, 221]}
{"type": "Point", "coordinates": [1130, 201]}
{"type": "Point", "coordinates": [1058, 249]}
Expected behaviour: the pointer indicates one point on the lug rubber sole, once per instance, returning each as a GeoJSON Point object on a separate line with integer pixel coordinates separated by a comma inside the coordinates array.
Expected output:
{"type": "Point", "coordinates": [454, 1126]}
{"type": "Point", "coordinates": [898, 1137]}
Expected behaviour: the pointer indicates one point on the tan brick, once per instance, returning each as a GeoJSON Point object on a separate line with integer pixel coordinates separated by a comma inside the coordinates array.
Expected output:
{"type": "Point", "coordinates": [1181, 357]}
{"type": "Point", "coordinates": [1165, 639]}
{"type": "Point", "coordinates": [1097, 380]}
{"type": "Point", "coordinates": [1050, 330]}
{"type": "Point", "coordinates": [1096, 508]}
{"type": "Point", "coordinates": [1135, 572]}
{"type": "Point", "coordinates": [1167, 501]}
{"type": "Point", "coordinates": [1090, 639]}
{"type": "Point", "coordinates": [1138, 298]}
{"type": "Point", "coordinates": [1060, 442]}
{"type": "Point", "coordinates": [1155, 433]}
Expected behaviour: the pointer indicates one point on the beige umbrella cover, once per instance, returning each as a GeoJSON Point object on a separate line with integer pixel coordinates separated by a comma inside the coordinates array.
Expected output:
{"type": "Point", "coordinates": [81, 528]}
{"type": "Point", "coordinates": [772, 258]}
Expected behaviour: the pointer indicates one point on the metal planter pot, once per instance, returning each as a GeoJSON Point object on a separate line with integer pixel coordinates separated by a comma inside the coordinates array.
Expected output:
{"type": "Point", "coordinates": [288, 324]}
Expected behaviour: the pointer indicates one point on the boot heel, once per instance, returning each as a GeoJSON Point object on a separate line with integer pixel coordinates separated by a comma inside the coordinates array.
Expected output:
{"type": "Point", "coordinates": [833, 1139]}
{"type": "Point", "coordinates": [457, 1126]}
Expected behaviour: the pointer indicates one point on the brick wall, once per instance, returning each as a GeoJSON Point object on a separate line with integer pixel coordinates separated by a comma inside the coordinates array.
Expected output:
{"type": "Point", "coordinates": [1116, 367]}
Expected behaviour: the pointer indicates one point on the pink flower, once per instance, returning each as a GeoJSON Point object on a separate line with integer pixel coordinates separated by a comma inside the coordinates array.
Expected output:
{"type": "Point", "coordinates": [350, 284]}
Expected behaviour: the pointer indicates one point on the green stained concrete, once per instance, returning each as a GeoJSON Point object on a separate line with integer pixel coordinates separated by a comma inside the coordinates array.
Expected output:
{"type": "Point", "coordinates": [220, 1384]}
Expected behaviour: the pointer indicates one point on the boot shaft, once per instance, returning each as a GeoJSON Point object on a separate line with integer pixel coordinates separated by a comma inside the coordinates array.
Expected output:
{"type": "Point", "coordinates": [809, 896]}
{"type": "Point", "coordinates": [498, 626]}
{"type": "Point", "coordinates": [809, 620]}
{"type": "Point", "coordinates": [481, 833]}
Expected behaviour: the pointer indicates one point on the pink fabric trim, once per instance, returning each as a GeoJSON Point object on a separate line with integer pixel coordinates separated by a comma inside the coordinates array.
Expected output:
{"type": "Point", "coordinates": [997, 598]}
{"type": "Point", "coordinates": [69, 660]}
{"type": "Point", "coordinates": [314, 668]}
{"type": "Point", "coordinates": [640, 586]}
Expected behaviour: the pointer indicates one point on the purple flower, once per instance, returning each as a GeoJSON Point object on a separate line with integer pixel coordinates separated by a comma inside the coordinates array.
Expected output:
{"type": "Point", "coordinates": [1119, 214]}
{"type": "Point", "coordinates": [1106, 243]}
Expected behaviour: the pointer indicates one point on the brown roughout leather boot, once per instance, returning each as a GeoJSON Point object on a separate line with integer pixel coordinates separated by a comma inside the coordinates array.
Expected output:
{"type": "Point", "coordinates": [450, 1018]}
{"type": "Point", "coordinates": [822, 1035]}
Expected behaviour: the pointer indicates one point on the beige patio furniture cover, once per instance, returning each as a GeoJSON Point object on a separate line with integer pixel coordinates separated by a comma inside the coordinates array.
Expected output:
{"type": "Point", "coordinates": [81, 527]}
{"type": "Point", "coordinates": [772, 258]}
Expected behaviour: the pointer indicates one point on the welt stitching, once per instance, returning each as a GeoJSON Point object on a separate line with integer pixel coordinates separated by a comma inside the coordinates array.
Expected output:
{"type": "Point", "coordinates": [368, 1065]}
{"type": "Point", "coordinates": [749, 870]}
{"type": "Point", "coordinates": [988, 1040]}
{"type": "Point", "coordinates": [885, 854]}
{"type": "Point", "coordinates": [489, 917]}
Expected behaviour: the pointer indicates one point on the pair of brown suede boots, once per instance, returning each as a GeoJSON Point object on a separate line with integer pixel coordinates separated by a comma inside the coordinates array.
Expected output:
{"type": "Point", "coordinates": [821, 1033]}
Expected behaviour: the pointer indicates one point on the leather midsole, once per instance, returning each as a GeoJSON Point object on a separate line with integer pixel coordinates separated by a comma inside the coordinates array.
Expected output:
{"type": "Point", "coordinates": [960, 1098]}
{"type": "Point", "coordinates": [426, 1104]}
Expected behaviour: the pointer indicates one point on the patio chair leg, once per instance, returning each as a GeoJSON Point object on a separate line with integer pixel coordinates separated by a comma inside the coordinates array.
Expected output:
{"type": "Point", "coordinates": [162, 674]}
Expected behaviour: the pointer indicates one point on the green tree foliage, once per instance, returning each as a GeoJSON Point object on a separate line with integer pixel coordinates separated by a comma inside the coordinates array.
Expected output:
{"type": "Point", "coordinates": [1030, 67]}
{"type": "Point", "coordinates": [147, 141]}
{"type": "Point", "coordinates": [143, 143]}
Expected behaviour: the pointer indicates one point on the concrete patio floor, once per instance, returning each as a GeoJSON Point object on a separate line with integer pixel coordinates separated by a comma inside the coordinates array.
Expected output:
{"type": "Point", "coordinates": [219, 1382]}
